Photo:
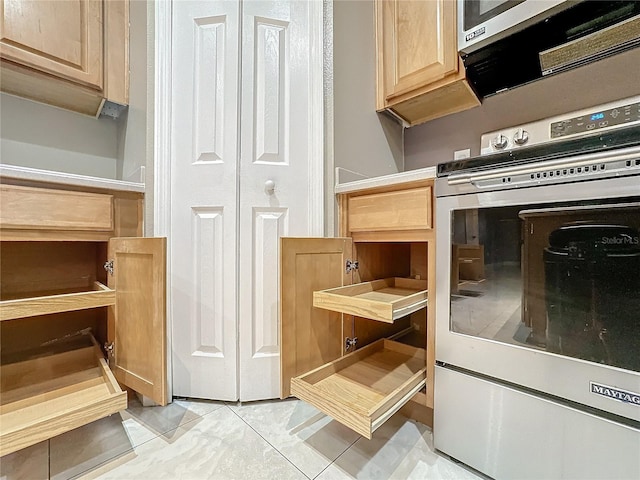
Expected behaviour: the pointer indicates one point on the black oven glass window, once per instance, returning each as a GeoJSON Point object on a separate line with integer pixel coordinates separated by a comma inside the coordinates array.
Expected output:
{"type": "Point", "coordinates": [559, 278]}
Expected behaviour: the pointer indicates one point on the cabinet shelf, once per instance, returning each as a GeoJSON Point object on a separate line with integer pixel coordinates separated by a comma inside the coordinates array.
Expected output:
{"type": "Point", "coordinates": [384, 300]}
{"type": "Point", "coordinates": [363, 389]}
{"type": "Point", "coordinates": [98, 295]}
{"type": "Point", "coordinates": [46, 394]}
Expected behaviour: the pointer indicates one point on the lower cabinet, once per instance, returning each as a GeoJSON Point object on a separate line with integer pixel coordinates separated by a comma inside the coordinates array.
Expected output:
{"type": "Point", "coordinates": [357, 338]}
{"type": "Point", "coordinates": [82, 318]}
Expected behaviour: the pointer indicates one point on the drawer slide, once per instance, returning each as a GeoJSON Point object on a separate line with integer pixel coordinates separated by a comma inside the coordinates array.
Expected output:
{"type": "Point", "coordinates": [363, 389]}
{"type": "Point", "coordinates": [384, 300]}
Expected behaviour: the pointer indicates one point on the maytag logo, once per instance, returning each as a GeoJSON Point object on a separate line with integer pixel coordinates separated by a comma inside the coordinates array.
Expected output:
{"type": "Point", "coordinates": [621, 239]}
{"type": "Point", "coordinates": [615, 393]}
{"type": "Point", "coordinates": [474, 34]}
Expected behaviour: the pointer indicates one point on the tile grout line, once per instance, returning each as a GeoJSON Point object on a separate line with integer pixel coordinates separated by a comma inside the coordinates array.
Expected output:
{"type": "Point", "coordinates": [336, 459]}
{"type": "Point", "coordinates": [133, 447]}
{"type": "Point", "coordinates": [268, 442]}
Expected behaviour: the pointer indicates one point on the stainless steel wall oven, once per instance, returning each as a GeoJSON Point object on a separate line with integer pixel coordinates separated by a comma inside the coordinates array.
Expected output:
{"type": "Point", "coordinates": [538, 301]}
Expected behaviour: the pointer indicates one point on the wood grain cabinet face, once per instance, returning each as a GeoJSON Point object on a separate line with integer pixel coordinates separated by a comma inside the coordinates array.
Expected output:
{"type": "Point", "coordinates": [63, 38]}
{"type": "Point", "coordinates": [417, 44]}
{"type": "Point", "coordinates": [63, 298]}
{"type": "Point", "coordinates": [325, 302]}
{"type": "Point", "coordinates": [408, 209]}
{"type": "Point", "coordinates": [69, 53]}
{"type": "Point", "coordinates": [419, 74]}
{"type": "Point", "coordinates": [41, 208]}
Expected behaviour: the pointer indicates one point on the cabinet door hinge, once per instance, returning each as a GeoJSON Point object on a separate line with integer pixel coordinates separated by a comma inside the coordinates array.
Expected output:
{"type": "Point", "coordinates": [108, 266]}
{"type": "Point", "coordinates": [350, 343]}
{"type": "Point", "coordinates": [351, 266]}
{"type": "Point", "coordinates": [109, 347]}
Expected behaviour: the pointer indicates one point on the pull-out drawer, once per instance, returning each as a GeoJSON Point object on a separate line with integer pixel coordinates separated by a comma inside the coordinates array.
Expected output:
{"type": "Point", "coordinates": [408, 209]}
{"type": "Point", "coordinates": [384, 300]}
{"type": "Point", "coordinates": [363, 389]}
{"type": "Point", "coordinates": [47, 209]}
{"type": "Point", "coordinates": [93, 295]}
{"type": "Point", "coordinates": [54, 389]}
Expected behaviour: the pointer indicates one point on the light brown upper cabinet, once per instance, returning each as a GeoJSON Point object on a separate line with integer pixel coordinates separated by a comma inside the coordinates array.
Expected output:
{"type": "Point", "coordinates": [72, 54]}
{"type": "Point", "coordinates": [420, 76]}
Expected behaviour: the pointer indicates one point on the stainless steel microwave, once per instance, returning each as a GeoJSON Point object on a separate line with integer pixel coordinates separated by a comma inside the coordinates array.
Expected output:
{"type": "Point", "coordinates": [508, 43]}
{"type": "Point", "coordinates": [484, 21]}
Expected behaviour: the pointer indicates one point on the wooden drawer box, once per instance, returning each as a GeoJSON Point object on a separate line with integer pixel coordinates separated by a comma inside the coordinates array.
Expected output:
{"type": "Point", "coordinates": [363, 389]}
{"type": "Point", "coordinates": [46, 209]}
{"type": "Point", "coordinates": [94, 295]}
{"type": "Point", "coordinates": [384, 300]}
{"type": "Point", "coordinates": [408, 209]}
{"type": "Point", "coordinates": [47, 392]}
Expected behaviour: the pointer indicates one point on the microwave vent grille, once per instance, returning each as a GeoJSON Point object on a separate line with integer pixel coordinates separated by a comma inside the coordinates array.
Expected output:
{"type": "Point", "coordinates": [614, 39]}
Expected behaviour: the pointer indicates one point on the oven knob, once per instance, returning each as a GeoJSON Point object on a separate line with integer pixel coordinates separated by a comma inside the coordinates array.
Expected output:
{"type": "Point", "coordinates": [500, 142]}
{"type": "Point", "coordinates": [521, 136]}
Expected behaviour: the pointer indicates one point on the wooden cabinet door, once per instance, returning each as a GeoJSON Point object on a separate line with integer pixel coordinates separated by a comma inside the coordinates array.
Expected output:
{"type": "Point", "coordinates": [309, 337]}
{"type": "Point", "coordinates": [416, 43]}
{"type": "Point", "coordinates": [137, 322]}
{"type": "Point", "coordinates": [63, 38]}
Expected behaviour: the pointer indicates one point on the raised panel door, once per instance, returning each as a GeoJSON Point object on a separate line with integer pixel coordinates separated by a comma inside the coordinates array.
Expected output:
{"type": "Point", "coordinates": [309, 337]}
{"type": "Point", "coordinates": [416, 43]}
{"type": "Point", "coordinates": [137, 321]}
{"type": "Point", "coordinates": [63, 38]}
{"type": "Point", "coordinates": [204, 191]}
{"type": "Point", "coordinates": [280, 171]}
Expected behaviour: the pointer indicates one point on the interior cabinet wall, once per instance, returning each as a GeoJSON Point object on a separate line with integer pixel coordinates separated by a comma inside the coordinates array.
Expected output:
{"type": "Point", "coordinates": [378, 260]}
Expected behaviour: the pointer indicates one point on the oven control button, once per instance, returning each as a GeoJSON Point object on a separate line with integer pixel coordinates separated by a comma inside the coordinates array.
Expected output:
{"type": "Point", "coordinates": [521, 136]}
{"type": "Point", "coordinates": [500, 142]}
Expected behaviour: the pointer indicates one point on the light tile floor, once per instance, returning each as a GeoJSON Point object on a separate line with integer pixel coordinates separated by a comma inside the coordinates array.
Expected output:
{"type": "Point", "coordinates": [208, 440]}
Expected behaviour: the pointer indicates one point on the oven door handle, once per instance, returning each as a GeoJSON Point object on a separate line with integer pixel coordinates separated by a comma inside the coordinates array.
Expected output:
{"type": "Point", "coordinates": [587, 166]}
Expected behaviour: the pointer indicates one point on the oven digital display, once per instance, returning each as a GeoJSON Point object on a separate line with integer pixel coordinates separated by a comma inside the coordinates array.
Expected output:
{"type": "Point", "coordinates": [621, 115]}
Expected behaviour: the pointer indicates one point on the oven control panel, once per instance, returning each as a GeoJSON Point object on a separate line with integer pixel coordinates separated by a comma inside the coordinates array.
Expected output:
{"type": "Point", "coordinates": [595, 120]}
{"type": "Point", "coordinates": [609, 116]}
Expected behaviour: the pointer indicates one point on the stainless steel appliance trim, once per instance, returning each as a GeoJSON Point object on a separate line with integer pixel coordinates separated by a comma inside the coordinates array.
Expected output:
{"type": "Point", "coordinates": [539, 131]}
{"type": "Point", "coordinates": [518, 364]}
{"type": "Point", "coordinates": [509, 21]}
{"type": "Point", "coordinates": [508, 433]}
{"type": "Point", "coordinates": [563, 163]}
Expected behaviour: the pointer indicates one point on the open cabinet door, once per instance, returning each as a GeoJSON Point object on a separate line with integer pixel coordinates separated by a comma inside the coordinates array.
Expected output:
{"type": "Point", "coordinates": [309, 337]}
{"type": "Point", "coordinates": [137, 322]}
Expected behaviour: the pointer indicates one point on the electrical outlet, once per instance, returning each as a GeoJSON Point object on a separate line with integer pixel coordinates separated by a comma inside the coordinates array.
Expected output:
{"type": "Point", "coordinates": [460, 154]}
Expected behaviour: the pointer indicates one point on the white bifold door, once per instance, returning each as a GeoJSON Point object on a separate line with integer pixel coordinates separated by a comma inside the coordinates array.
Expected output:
{"type": "Point", "coordinates": [246, 169]}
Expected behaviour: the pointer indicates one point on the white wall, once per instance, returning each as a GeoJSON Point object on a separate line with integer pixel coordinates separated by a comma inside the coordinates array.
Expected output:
{"type": "Point", "coordinates": [132, 127]}
{"type": "Point", "coordinates": [41, 136]}
{"type": "Point", "coordinates": [358, 139]}
{"type": "Point", "coordinates": [364, 141]}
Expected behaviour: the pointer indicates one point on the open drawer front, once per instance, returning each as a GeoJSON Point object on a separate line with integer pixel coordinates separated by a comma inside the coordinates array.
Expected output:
{"type": "Point", "coordinates": [384, 300]}
{"type": "Point", "coordinates": [90, 295]}
{"type": "Point", "coordinates": [363, 389]}
{"type": "Point", "coordinates": [54, 389]}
